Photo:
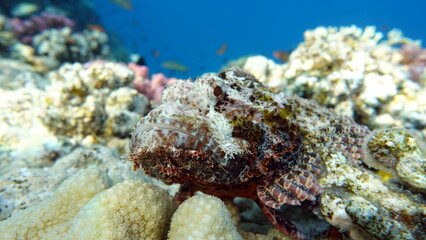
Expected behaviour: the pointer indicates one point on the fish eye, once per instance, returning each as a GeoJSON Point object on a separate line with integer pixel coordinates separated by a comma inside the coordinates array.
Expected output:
{"type": "Point", "coordinates": [217, 91]}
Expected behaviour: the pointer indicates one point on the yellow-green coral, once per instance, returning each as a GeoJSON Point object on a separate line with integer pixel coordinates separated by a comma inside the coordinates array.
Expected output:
{"type": "Point", "coordinates": [377, 222]}
{"type": "Point", "coordinates": [396, 151]}
{"type": "Point", "coordinates": [354, 181]}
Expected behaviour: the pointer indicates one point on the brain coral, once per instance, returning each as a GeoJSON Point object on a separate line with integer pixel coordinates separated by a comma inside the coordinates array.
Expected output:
{"type": "Point", "coordinates": [50, 217]}
{"type": "Point", "coordinates": [203, 217]}
{"type": "Point", "coordinates": [81, 209]}
{"type": "Point", "coordinates": [128, 210]}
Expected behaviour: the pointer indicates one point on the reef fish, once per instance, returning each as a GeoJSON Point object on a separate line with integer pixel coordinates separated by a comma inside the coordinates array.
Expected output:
{"type": "Point", "coordinates": [281, 55]}
{"type": "Point", "coordinates": [126, 4]}
{"type": "Point", "coordinates": [227, 135]}
{"type": "Point", "coordinates": [222, 49]}
{"type": "Point", "coordinates": [25, 9]}
{"type": "Point", "coordinates": [175, 66]}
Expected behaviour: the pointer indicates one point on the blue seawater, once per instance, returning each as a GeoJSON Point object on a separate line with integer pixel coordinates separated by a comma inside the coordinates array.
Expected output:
{"type": "Point", "coordinates": [191, 31]}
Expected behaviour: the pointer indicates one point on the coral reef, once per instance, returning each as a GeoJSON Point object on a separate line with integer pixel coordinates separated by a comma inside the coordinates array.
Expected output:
{"type": "Point", "coordinates": [66, 46]}
{"type": "Point", "coordinates": [20, 126]}
{"type": "Point", "coordinates": [128, 210]}
{"type": "Point", "coordinates": [414, 57]}
{"type": "Point", "coordinates": [51, 217]}
{"type": "Point", "coordinates": [93, 102]}
{"type": "Point", "coordinates": [352, 71]}
{"type": "Point", "coordinates": [32, 143]}
{"type": "Point", "coordinates": [207, 217]}
{"type": "Point", "coordinates": [151, 88]}
{"type": "Point", "coordinates": [52, 47]}
{"type": "Point", "coordinates": [82, 208]}
{"type": "Point", "coordinates": [298, 170]}
{"type": "Point", "coordinates": [25, 30]}
{"type": "Point", "coordinates": [51, 38]}
{"type": "Point", "coordinates": [15, 74]}
{"type": "Point", "coordinates": [48, 40]}
{"type": "Point", "coordinates": [359, 202]}
{"type": "Point", "coordinates": [56, 46]}
{"type": "Point", "coordinates": [82, 11]}
{"type": "Point", "coordinates": [396, 151]}
{"type": "Point", "coordinates": [212, 221]}
{"type": "Point", "coordinates": [24, 184]}
{"type": "Point", "coordinates": [228, 136]}
{"type": "Point", "coordinates": [6, 38]}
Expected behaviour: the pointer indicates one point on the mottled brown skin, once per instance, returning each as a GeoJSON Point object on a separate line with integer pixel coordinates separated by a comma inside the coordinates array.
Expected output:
{"type": "Point", "coordinates": [282, 140]}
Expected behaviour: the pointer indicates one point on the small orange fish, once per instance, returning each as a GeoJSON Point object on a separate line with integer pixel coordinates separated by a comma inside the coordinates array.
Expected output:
{"type": "Point", "coordinates": [155, 53]}
{"type": "Point", "coordinates": [222, 49]}
{"type": "Point", "coordinates": [95, 27]}
{"type": "Point", "coordinates": [281, 55]}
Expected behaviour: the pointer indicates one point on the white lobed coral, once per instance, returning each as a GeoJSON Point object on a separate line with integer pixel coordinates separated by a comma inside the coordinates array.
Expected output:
{"type": "Point", "coordinates": [82, 208]}
{"type": "Point", "coordinates": [203, 217]}
{"type": "Point", "coordinates": [23, 185]}
{"type": "Point", "coordinates": [16, 74]}
{"type": "Point", "coordinates": [128, 210]}
{"type": "Point", "coordinates": [207, 217]}
{"type": "Point", "coordinates": [19, 125]}
{"type": "Point", "coordinates": [52, 216]}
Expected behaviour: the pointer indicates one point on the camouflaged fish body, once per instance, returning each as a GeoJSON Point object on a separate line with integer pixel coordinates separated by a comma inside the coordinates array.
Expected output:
{"type": "Point", "coordinates": [228, 136]}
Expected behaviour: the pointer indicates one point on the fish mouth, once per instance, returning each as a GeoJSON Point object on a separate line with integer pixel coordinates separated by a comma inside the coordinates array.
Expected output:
{"type": "Point", "coordinates": [160, 132]}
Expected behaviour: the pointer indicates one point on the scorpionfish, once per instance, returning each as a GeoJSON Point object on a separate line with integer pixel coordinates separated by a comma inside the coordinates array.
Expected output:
{"type": "Point", "coordinates": [227, 135]}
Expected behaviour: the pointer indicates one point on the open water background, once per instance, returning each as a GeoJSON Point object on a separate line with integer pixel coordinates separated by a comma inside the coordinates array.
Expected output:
{"type": "Point", "coordinates": [191, 31]}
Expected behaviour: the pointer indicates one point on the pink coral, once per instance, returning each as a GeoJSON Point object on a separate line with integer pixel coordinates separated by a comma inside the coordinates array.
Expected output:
{"type": "Point", "coordinates": [152, 88]}
{"type": "Point", "coordinates": [139, 70]}
{"type": "Point", "coordinates": [24, 30]}
{"type": "Point", "coordinates": [414, 57]}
